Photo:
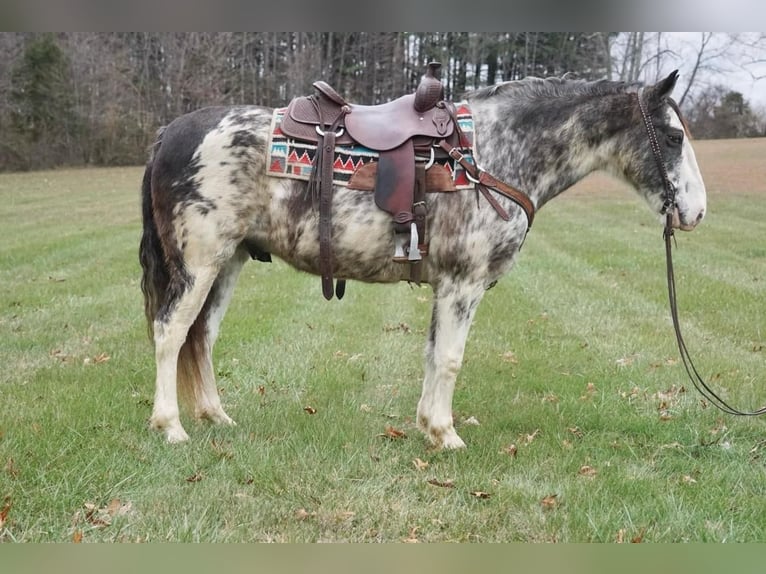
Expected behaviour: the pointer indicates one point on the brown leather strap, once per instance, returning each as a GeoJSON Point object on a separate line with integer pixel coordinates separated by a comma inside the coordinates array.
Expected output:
{"type": "Point", "coordinates": [420, 213]}
{"type": "Point", "coordinates": [325, 213]}
{"type": "Point", "coordinates": [486, 180]}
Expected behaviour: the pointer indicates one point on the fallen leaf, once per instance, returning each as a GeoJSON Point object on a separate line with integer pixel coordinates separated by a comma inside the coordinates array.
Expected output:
{"type": "Point", "coordinates": [471, 421]}
{"type": "Point", "coordinates": [98, 517]}
{"type": "Point", "coordinates": [551, 398]}
{"type": "Point", "coordinates": [529, 437]}
{"type": "Point", "coordinates": [365, 408]}
{"type": "Point", "coordinates": [576, 431]}
{"type": "Point", "coordinates": [626, 361]}
{"type": "Point", "coordinates": [639, 537]}
{"type": "Point", "coordinates": [403, 327]}
{"type": "Point", "coordinates": [420, 464]}
{"type": "Point", "coordinates": [77, 536]}
{"type": "Point", "coordinates": [393, 434]}
{"type": "Point", "coordinates": [10, 468]}
{"type": "Point", "coordinates": [310, 410]}
{"type": "Point", "coordinates": [412, 537]}
{"type": "Point", "coordinates": [587, 471]}
{"type": "Point", "coordinates": [480, 494]}
{"type": "Point", "coordinates": [196, 477]}
{"type": "Point", "coordinates": [509, 357]}
{"type": "Point", "coordinates": [510, 450]}
{"type": "Point", "coordinates": [441, 483]}
{"type": "Point", "coordinates": [101, 358]}
{"type": "Point", "coordinates": [261, 390]}
{"type": "Point", "coordinates": [5, 510]}
{"type": "Point", "coordinates": [550, 502]}
{"type": "Point", "coordinates": [620, 536]}
{"type": "Point", "coordinates": [688, 480]}
{"type": "Point", "coordinates": [303, 514]}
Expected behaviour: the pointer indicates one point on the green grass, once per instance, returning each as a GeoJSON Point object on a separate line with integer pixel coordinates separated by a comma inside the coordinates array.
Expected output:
{"type": "Point", "coordinates": [584, 315]}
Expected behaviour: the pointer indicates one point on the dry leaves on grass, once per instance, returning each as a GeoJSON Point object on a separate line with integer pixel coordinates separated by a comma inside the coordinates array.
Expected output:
{"type": "Point", "coordinates": [412, 537]}
{"type": "Point", "coordinates": [11, 469]}
{"type": "Point", "coordinates": [509, 357]}
{"type": "Point", "coordinates": [302, 514]}
{"type": "Point", "coordinates": [393, 433]}
{"type": "Point", "coordinates": [441, 483]}
{"type": "Point", "coordinates": [590, 390]}
{"type": "Point", "coordinates": [196, 477]}
{"type": "Point", "coordinates": [5, 511]}
{"type": "Point", "coordinates": [480, 494]}
{"type": "Point", "coordinates": [587, 471]}
{"type": "Point", "coordinates": [511, 450]}
{"type": "Point", "coordinates": [403, 327]}
{"type": "Point", "coordinates": [310, 410]}
{"type": "Point", "coordinates": [550, 502]}
{"type": "Point", "coordinates": [101, 517]}
{"type": "Point", "coordinates": [420, 464]}
{"type": "Point", "coordinates": [100, 358]}
{"type": "Point", "coordinates": [626, 361]}
{"type": "Point", "coordinates": [528, 438]}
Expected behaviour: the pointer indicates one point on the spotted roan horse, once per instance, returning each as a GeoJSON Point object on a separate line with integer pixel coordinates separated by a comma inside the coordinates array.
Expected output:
{"type": "Point", "coordinates": [209, 205]}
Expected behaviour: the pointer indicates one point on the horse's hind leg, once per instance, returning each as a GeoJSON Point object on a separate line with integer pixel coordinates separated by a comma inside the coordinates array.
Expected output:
{"type": "Point", "coordinates": [171, 333]}
{"type": "Point", "coordinates": [454, 307]}
{"type": "Point", "coordinates": [207, 403]}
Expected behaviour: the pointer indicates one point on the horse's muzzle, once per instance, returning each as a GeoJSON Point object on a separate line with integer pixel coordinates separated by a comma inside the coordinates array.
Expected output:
{"type": "Point", "coordinates": [679, 223]}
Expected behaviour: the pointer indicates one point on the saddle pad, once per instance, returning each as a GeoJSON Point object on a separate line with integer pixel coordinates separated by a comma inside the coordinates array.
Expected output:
{"type": "Point", "coordinates": [294, 159]}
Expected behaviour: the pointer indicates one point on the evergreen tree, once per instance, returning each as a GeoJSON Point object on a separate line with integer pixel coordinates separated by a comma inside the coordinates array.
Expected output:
{"type": "Point", "coordinates": [42, 102]}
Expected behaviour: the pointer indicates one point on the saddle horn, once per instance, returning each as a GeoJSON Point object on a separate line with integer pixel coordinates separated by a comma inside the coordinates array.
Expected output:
{"type": "Point", "coordinates": [430, 89]}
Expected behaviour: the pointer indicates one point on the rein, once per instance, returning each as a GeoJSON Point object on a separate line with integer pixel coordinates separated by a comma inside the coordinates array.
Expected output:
{"type": "Point", "coordinates": [668, 206]}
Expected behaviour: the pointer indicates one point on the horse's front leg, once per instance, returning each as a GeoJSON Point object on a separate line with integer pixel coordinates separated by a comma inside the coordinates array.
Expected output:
{"type": "Point", "coordinates": [454, 307]}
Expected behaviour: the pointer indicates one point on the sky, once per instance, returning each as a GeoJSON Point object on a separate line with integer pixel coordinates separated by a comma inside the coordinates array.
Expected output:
{"type": "Point", "coordinates": [730, 67]}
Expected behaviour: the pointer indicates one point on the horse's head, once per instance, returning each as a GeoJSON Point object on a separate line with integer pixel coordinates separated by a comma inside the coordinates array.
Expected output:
{"type": "Point", "coordinates": [667, 172]}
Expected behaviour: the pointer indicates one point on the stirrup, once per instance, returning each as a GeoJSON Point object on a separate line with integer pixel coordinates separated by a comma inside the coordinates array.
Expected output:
{"type": "Point", "coordinates": [400, 240]}
{"type": "Point", "coordinates": [414, 252]}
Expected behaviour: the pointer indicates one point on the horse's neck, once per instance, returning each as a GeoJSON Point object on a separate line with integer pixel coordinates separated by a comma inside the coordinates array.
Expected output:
{"type": "Point", "coordinates": [539, 151]}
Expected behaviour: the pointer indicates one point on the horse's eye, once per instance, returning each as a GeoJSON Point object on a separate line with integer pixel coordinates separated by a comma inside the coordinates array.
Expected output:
{"type": "Point", "coordinates": [675, 138]}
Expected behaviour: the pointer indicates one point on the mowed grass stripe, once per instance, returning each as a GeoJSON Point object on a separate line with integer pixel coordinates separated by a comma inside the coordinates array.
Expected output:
{"type": "Point", "coordinates": [569, 361]}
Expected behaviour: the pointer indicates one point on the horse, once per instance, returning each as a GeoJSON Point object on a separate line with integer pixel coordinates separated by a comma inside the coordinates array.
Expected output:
{"type": "Point", "coordinates": [209, 206]}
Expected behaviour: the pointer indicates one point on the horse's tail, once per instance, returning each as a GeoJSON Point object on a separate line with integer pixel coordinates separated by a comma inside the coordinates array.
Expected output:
{"type": "Point", "coordinates": [161, 284]}
{"type": "Point", "coordinates": [155, 278]}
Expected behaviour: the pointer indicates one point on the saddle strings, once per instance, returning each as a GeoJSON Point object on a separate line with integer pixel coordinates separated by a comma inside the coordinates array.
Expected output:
{"type": "Point", "coordinates": [667, 209]}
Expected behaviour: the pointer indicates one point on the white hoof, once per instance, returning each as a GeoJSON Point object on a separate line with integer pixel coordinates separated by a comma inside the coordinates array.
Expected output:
{"type": "Point", "coordinates": [218, 417]}
{"type": "Point", "coordinates": [172, 428]}
{"type": "Point", "coordinates": [176, 435]}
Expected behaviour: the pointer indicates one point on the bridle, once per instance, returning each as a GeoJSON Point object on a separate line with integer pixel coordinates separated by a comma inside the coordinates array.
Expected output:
{"type": "Point", "coordinates": [668, 207]}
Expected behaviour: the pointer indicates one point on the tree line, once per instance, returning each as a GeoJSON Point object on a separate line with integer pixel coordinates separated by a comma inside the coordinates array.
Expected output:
{"type": "Point", "coordinates": [98, 98]}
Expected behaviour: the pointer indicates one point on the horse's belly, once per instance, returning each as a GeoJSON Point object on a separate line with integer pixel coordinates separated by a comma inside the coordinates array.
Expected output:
{"type": "Point", "coordinates": [362, 236]}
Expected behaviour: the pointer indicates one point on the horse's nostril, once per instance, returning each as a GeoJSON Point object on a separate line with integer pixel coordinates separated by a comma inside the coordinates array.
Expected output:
{"type": "Point", "coordinates": [700, 216]}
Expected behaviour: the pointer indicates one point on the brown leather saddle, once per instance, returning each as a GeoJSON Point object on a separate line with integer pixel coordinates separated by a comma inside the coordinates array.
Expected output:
{"type": "Point", "coordinates": [401, 131]}
{"type": "Point", "coordinates": [408, 133]}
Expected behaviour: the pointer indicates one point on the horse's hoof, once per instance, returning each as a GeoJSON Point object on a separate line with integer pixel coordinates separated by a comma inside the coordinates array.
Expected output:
{"type": "Point", "coordinates": [173, 431]}
{"type": "Point", "coordinates": [451, 441]}
{"type": "Point", "coordinates": [176, 435]}
{"type": "Point", "coordinates": [217, 418]}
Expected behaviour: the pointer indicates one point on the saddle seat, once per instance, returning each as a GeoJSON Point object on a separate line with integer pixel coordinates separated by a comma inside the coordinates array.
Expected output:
{"type": "Point", "coordinates": [387, 126]}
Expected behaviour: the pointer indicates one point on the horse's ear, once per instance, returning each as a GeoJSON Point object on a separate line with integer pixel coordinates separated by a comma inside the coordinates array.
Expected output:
{"type": "Point", "coordinates": [663, 88]}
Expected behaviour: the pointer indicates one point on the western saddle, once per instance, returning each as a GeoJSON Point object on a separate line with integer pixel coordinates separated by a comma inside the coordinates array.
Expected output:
{"type": "Point", "coordinates": [407, 133]}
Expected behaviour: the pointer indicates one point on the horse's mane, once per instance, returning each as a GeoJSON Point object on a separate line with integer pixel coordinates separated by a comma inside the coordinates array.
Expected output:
{"type": "Point", "coordinates": [552, 87]}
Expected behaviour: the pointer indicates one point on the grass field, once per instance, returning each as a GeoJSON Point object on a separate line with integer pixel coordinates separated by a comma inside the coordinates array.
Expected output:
{"type": "Point", "coordinates": [587, 428]}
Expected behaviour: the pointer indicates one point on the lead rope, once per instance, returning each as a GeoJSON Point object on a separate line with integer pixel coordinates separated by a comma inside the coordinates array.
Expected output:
{"type": "Point", "coordinates": [667, 209]}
